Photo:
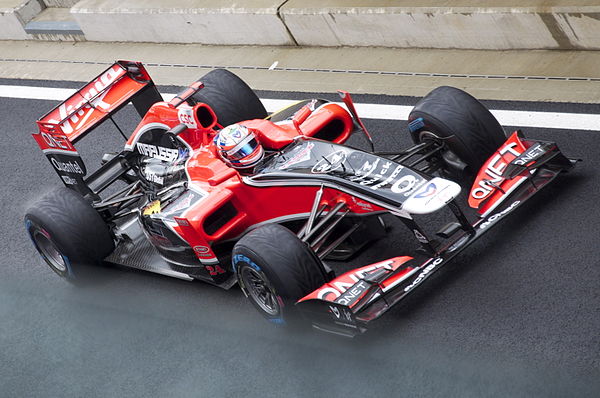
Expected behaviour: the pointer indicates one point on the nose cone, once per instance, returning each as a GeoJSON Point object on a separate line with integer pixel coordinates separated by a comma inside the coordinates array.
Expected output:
{"type": "Point", "coordinates": [432, 196]}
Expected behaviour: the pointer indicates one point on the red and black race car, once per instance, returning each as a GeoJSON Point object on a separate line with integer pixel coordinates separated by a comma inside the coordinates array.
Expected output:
{"type": "Point", "coordinates": [169, 203]}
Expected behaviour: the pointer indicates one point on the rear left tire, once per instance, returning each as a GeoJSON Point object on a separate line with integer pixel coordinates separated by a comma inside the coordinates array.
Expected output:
{"type": "Point", "coordinates": [68, 233]}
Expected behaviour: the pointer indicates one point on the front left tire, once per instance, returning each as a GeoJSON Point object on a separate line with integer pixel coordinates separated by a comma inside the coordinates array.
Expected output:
{"type": "Point", "coordinates": [275, 269]}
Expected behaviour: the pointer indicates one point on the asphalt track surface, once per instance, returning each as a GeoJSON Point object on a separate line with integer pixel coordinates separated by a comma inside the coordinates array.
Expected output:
{"type": "Point", "coordinates": [516, 314]}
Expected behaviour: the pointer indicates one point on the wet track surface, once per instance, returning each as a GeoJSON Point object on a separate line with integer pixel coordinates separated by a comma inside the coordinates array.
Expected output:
{"type": "Point", "coordinates": [516, 314]}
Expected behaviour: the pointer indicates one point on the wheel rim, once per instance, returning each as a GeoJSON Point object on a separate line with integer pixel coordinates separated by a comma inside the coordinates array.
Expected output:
{"type": "Point", "coordinates": [260, 290]}
{"type": "Point", "coordinates": [49, 252]}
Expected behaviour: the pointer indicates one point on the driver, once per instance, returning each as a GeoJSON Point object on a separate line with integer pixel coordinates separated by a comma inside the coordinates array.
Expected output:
{"type": "Point", "coordinates": [238, 147]}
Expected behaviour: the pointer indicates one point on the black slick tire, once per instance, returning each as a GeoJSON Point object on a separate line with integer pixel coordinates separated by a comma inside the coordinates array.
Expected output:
{"type": "Point", "coordinates": [275, 269]}
{"type": "Point", "coordinates": [469, 129]}
{"type": "Point", "coordinates": [68, 233]}
{"type": "Point", "coordinates": [230, 98]}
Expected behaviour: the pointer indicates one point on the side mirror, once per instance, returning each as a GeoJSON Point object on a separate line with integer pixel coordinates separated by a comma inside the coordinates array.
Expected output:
{"type": "Point", "coordinates": [180, 128]}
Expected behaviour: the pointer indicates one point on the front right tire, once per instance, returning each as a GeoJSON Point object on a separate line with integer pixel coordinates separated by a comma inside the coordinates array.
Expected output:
{"type": "Point", "coordinates": [467, 127]}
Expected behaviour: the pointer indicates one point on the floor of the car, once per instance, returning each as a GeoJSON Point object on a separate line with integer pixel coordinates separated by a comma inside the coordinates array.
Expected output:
{"type": "Point", "coordinates": [137, 252]}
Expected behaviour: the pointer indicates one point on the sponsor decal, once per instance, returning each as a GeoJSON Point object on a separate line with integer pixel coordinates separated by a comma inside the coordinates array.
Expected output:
{"type": "Point", "coordinates": [335, 311]}
{"type": "Point", "coordinates": [182, 222]}
{"type": "Point", "coordinates": [371, 172]}
{"type": "Point", "coordinates": [367, 169]}
{"type": "Point", "coordinates": [530, 155]}
{"type": "Point", "coordinates": [432, 193]}
{"type": "Point", "coordinates": [158, 152]}
{"type": "Point", "coordinates": [424, 273]}
{"type": "Point", "coordinates": [429, 190]}
{"type": "Point", "coordinates": [152, 208]}
{"type": "Point", "coordinates": [69, 166]}
{"type": "Point", "coordinates": [68, 180]}
{"type": "Point", "coordinates": [153, 177]}
{"type": "Point", "coordinates": [329, 163]}
{"type": "Point", "coordinates": [344, 314]}
{"type": "Point", "coordinates": [496, 216]}
{"type": "Point", "coordinates": [301, 155]}
{"type": "Point", "coordinates": [494, 171]}
{"type": "Point", "coordinates": [201, 249]}
{"type": "Point", "coordinates": [203, 253]}
{"type": "Point", "coordinates": [182, 153]}
{"type": "Point", "coordinates": [353, 293]}
{"type": "Point", "coordinates": [416, 125]}
{"type": "Point", "coordinates": [375, 177]}
{"type": "Point", "coordinates": [78, 120]}
{"type": "Point", "coordinates": [181, 203]}
{"type": "Point", "coordinates": [186, 116]}
{"type": "Point", "coordinates": [407, 184]}
{"type": "Point", "coordinates": [57, 141]}
{"type": "Point", "coordinates": [214, 270]}
{"type": "Point", "coordinates": [363, 205]}
{"type": "Point", "coordinates": [339, 286]}
{"type": "Point", "coordinates": [390, 179]}
{"type": "Point", "coordinates": [444, 195]}
{"type": "Point", "coordinates": [347, 314]}
{"type": "Point", "coordinates": [420, 237]}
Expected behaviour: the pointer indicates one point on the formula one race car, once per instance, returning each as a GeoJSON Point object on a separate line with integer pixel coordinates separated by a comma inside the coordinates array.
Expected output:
{"type": "Point", "coordinates": [178, 199]}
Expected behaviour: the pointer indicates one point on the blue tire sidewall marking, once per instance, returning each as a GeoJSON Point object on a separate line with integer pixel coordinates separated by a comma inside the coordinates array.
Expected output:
{"type": "Point", "coordinates": [241, 258]}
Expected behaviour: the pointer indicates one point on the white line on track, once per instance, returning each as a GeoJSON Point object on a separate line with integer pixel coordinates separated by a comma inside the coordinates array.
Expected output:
{"type": "Point", "coordinates": [557, 120]}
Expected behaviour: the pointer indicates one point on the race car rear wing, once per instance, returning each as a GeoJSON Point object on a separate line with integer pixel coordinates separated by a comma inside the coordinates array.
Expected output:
{"type": "Point", "coordinates": [89, 107]}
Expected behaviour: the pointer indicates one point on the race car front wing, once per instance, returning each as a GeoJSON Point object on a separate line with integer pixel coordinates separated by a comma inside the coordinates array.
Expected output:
{"type": "Point", "coordinates": [346, 306]}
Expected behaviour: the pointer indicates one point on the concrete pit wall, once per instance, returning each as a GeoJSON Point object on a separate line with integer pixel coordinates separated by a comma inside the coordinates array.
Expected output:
{"type": "Point", "coordinates": [14, 15]}
{"type": "Point", "coordinates": [184, 21]}
{"type": "Point", "coordinates": [60, 3]}
{"type": "Point", "coordinates": [525, 24]}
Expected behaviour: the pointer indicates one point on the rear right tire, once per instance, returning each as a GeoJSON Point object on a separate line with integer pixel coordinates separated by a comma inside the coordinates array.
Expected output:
{"type": "Point", "coordinates": [230, 98]}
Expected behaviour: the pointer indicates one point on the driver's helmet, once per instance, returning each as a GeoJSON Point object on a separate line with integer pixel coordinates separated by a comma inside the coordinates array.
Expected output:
{"type": "Point", "coordinates": [238, 146]}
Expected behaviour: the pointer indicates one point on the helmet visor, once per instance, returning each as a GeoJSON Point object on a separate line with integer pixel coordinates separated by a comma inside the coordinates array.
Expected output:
{"type": "Point", "coordinates": [244, 151]}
